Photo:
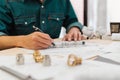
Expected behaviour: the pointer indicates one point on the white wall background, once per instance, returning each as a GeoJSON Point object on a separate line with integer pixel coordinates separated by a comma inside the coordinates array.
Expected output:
{"type": "Point", "coordinates": [79, 9]}
{"type": "Point", "coordinates": [92, 13]}
{"type": "Point", "coordinates": [98, 17]}
{"type": "Point", "coordinates": [99, 14]}
{"type": "Point", "coordinates": [96, 11]}
{"type": "Point", "coordinates": [114, 10]}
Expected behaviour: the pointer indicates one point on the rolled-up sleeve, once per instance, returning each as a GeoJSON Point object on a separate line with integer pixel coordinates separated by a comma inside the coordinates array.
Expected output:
{"type": "Point", "coordinates": [5, 18]}
{"type": "Point", "coordinates": [75, 24]}
{"type": "Point", "coordinates": [71, 18]}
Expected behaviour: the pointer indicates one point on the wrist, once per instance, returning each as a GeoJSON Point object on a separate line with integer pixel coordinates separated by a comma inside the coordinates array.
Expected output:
{"type": "Point", "coordinates": [19, 41]}
{"type": "Point", "coordinates": [75, 28]}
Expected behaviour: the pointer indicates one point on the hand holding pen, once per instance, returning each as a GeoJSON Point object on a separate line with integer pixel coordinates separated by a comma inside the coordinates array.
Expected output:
{"type": "Point", "coordinates": [35, 41]}
{"type": "Point", "coordinates": [37, 29]}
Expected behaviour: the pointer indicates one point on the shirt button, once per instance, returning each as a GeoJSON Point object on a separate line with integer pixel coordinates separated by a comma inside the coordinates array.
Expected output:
{"type": "Point", "coordinates": [58, 19]}
{"type": "Point", "coordinates": [26, 23]}
{"type": "Point", "coordinates": [42, 6]}
{"type": "Point", "coordinates": [43, 22]}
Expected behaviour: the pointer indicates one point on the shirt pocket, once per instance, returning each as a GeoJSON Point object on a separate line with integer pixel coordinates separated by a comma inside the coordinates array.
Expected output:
{"type": "Point", "coordinates": [55, 22]}
{"type": "Point", "coordinates": [23, 25]}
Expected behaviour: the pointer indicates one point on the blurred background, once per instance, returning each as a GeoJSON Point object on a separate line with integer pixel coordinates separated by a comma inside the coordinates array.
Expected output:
{"type": "Point", "coordinates": [103, 16]}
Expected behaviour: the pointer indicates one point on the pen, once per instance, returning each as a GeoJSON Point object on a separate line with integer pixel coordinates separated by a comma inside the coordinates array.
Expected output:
{"type": "Point", "coordinates": [38, 29]}
{"type": "Point", "coordinates": [16, 74]}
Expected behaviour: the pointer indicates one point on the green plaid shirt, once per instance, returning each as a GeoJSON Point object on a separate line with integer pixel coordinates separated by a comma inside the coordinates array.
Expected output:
{"type": "Point", "coordinates": [17, 17]}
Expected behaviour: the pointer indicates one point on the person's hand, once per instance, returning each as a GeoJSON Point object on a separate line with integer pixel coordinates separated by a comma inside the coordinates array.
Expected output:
{"type": "Point", "coordinates": [36, 40]}
{"type": "Point", "coordinates": [73, 34]}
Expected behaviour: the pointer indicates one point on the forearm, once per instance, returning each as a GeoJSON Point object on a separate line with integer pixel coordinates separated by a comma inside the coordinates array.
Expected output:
{"type": "Point", "coordinates": [10, 41]}
{"type": "Point", "coordinates": [33, 41]}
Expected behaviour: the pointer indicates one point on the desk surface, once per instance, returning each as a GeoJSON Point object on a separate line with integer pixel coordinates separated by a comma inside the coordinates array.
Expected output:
{"type": "Point", "coordinates": [59, 70]}
{"type": "Point", "coordinates": [14, 51]}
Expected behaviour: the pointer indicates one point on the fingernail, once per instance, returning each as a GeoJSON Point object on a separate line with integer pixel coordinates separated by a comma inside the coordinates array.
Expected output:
{"type": "Point", "coordinates": [75, 39]}
{"type": "Point", "coordinates": [79, 39]}
{"type": "Point", "coordinates": [69, 39]}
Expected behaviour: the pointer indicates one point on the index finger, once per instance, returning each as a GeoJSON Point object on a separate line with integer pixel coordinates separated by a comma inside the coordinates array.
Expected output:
{"type": "Point", "coordinates": [44, 36]}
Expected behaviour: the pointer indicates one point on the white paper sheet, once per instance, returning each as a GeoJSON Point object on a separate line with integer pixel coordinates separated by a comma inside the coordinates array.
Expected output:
{"type": "Point", "coordinates": [112, 56]}
{"type": "Point", "coordinates": [112, 48]}
{"type": "Point", "coordinates": [59, 69]}
{"type": "Point", "coordinates": [85, 51]}
{"type": "Point", "coordinates": [92, 70]}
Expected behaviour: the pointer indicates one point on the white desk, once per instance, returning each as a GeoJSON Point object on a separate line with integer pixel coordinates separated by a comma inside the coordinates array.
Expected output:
{"type": "Point", "coordinates": [89, 70]}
